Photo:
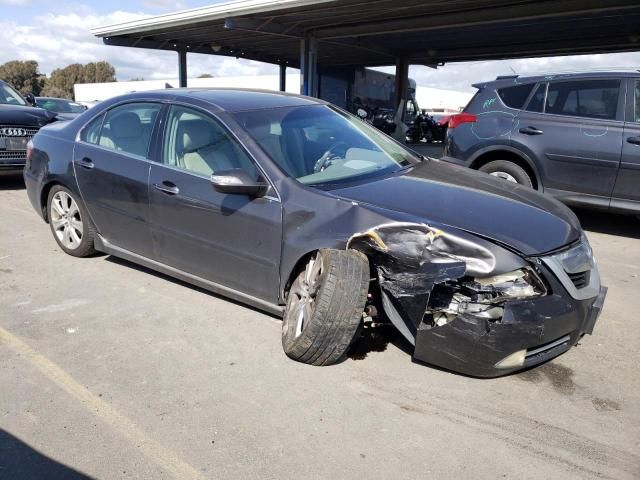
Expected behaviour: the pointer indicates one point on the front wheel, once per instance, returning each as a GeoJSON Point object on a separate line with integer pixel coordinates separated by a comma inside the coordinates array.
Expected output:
{"type": "Point", "coordinates": [324, 307]}
{"type": "Point", "coordinates": [69, 222]}
{"type": "Point", "coordinates": [508, 171]}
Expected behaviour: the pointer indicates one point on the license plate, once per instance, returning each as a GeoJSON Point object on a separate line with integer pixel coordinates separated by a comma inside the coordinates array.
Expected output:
{"type": "Point", "coordinates": [19, 143]}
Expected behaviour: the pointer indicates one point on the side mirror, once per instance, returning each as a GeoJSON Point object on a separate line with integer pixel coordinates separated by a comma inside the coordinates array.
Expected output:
{"type": "Point", "coordinates": [31, 99]}
{"type": "Point", "coordinates": [239, 182]}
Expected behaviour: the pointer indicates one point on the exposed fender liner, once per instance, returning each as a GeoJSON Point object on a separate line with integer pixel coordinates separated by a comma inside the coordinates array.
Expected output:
{"type": "Point", "coordinates": [411, 258]}
{"type": "Point", "coordinates": [516, 151]}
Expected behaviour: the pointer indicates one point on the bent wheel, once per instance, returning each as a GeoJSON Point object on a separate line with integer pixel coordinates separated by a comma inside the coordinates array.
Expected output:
{"type": "Point", "coordinates": [324, 307]}
{"type": "Point", "coordinates": [69, 222]}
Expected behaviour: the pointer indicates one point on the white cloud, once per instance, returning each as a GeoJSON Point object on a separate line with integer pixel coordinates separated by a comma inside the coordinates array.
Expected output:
{"type": "Point", "coordinates": [14, 3]}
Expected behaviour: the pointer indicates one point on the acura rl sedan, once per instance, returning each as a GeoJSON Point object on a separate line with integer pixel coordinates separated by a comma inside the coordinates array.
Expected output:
{"type": "Point", "coordinates": [293, 206]}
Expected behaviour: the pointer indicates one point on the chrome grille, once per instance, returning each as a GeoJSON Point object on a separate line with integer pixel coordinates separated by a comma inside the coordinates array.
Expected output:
{"type": "Point", "coordinates": [580, 280]}
{"type": "Point", "coordinates": [577, 270]}
{"type": "Point", "coordinates": [8, 153]}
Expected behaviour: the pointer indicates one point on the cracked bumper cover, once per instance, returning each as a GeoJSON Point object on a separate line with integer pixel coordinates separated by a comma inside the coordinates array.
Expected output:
{"type": "Point", "coordinates": [546, 327]}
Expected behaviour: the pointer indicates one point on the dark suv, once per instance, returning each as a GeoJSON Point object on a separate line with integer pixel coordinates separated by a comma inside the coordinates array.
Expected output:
{"type": "Point", "coordinates": [574, 136]}
{"type": "Point", "coordinates": [19, 121]}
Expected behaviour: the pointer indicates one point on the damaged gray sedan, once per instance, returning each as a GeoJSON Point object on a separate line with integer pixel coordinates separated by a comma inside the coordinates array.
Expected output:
{"type": "Point", "coordinates": [298, 208]}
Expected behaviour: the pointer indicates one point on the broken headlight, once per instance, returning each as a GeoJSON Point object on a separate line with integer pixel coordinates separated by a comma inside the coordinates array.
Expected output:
{"type": "Point", "coordinates": [484, 297]}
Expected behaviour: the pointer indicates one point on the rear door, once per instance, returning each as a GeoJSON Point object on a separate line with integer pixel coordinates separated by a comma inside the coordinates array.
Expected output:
{"type": "Point", "coordinates": [112, 168]}
{"type": "Point", "coordinates": [230, 239]}
{"type": "Point", "coordinates": [575, 136]}
{"type": "Point", "coordinates": [626, 193]}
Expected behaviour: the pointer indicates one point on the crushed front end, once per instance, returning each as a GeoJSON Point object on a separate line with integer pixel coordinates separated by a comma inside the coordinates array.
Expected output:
{"type": "Point", "coordinates": [442, 292]}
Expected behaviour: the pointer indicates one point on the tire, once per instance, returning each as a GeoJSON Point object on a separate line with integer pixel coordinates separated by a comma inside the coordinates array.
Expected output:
{"type": "Point", "coordinates": [516, 173]}
{"type": "Point", "coordinates": [331, 294]}
{"type": "Point", "coordinates": [70, 224]}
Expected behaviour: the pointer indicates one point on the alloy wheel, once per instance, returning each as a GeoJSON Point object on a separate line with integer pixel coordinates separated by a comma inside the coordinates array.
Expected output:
{"type": "Point", "coordinates": [66, 220]}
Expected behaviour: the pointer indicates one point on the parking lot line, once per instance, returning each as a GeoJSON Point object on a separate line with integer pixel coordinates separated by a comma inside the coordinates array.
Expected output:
{"type": "Point", "coordinates": [164, 457]}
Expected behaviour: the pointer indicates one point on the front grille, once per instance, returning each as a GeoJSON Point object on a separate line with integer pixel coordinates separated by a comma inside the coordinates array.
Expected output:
{"type": "Point", "coordinates": [580, 280]}
{"type": "Point", "coordinates": [13, 154]}
{"type": "Point", "coordinates": [29, 131]}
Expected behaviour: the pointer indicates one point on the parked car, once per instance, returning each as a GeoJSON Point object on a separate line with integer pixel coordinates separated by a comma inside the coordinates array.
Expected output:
{"type": "Point", "coordinates": [574, 136]}
{"type": "Point", "coordinates": [66, 109]}
{"type": "Point", "coordinates": [19, 122]}
{"type": "Point", "coordinates": [294, 206]}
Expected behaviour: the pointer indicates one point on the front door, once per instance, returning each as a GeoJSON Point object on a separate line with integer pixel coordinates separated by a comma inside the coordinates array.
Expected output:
{"type": "Point", "coordinates": [230, 239]}
{"type": "Point", "coordinates": [577, 137]}
{"type": "Point", "coordinates": [112, 167]}
{"type": "Point", "coordinates": [626, 193]}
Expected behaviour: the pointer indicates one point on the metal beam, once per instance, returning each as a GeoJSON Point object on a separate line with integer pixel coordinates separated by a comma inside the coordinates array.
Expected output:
{"type": "Point", "coordinates": [262, 26]}
{"type": "Point", "coordinates": [182, 68]}
{"type": "Point", "coordinates": [475, 16]}
{"type": "Point", "coordinates": [309, 66]}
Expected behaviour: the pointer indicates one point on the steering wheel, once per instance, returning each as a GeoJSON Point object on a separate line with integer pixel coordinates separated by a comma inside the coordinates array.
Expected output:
{"type": "Point", "coordinates": [329, 156]}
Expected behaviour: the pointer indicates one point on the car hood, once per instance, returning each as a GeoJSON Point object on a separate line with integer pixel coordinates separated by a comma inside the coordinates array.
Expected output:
{"type": "Point", "coordinates": [507, 213]}
{"type": "Point", "coordinates": [25, 116]}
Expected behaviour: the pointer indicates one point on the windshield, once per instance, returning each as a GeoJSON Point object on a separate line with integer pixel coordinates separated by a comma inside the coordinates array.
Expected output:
{"type": "Point", "coordinates": [321, 146]}
{"type": "Point", "coordinates": [8, 96]}
{"type": "Point", "coordinates": [59, 105]}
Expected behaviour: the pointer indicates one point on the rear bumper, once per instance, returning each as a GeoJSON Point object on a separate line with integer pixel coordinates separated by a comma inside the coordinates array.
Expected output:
{"type": "Point", "coordinates": [545, 327]}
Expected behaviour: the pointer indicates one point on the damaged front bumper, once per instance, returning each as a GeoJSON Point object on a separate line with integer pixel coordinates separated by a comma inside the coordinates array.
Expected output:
{"type": "Point", "coordinates": [422, 269]}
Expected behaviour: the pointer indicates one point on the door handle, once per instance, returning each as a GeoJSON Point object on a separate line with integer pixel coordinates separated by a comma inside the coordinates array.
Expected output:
{"type": "Point", "coordinates": [86, 163]}
{"type": "Point", "coordinates": [531, 131]}
{"type": "Point", "coordinates": [167, 187]}
{"type": "Point", "coordinates": [634, 140]}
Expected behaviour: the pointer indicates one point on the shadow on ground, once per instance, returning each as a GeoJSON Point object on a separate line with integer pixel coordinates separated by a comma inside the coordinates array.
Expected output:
{"type": "Point", "coordinates": [18, 461]}
{"type": "Point", "coordinates": [11, 182]}
{"type": "Point", "coordinates": [609, 223]}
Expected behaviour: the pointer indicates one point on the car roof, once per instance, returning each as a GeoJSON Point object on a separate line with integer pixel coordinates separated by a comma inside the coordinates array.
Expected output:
{"type": "Point", "coordinates": [228, 99]}
{"type": "Point", "coordinates": [519, 79]}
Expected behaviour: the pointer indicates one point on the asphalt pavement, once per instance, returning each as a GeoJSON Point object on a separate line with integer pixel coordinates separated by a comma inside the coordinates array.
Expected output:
{"type": "Point", "coordinates": [108, 371]}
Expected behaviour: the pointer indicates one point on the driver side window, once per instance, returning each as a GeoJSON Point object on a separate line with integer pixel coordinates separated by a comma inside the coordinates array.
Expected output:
{"type": "Point", "coordinates": [197, 143]}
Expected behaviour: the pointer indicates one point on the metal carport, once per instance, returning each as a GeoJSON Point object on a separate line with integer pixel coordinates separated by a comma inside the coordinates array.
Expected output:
{"type": "Point", "coordinates": [311, 33]}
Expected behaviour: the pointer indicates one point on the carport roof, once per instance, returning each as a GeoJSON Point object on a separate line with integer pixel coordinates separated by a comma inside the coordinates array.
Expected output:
{"type": "Point", "coordinates": [376, 32]}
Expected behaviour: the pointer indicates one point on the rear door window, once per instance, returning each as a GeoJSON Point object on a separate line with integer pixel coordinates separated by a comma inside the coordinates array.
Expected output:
{"type": "Point", "coordinates": [515, 96]}
{"type": "Point", "coordinates": [584, 98]}
{"type": "Point", "coordinates": [127, 128]}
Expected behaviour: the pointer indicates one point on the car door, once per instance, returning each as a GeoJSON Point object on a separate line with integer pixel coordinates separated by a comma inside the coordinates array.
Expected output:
{"type": "Point", "coordinates": [626, 194]}
{"type": "Point", "coordinates": [575, 136]}
{"type": "Point", "coordinates": [112, 169]}
{"type": "Point", "coordinates": [229, 239]}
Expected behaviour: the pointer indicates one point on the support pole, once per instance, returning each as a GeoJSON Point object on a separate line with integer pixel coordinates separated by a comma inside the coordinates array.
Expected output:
{"type": "Point", "coordinates": [402, 83]}
{"type": "Point", "coordinates": [182, 68]}
{"type": "Point", "coordinates": [309, 66]}
{"type": "Point", "coordinates": [283, 77]}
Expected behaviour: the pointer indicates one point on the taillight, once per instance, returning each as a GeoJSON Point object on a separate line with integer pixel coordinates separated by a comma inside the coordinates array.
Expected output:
{"type": "Point", "coordinates": [460, 118]}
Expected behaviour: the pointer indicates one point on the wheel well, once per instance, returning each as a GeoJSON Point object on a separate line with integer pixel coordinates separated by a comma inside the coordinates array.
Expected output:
{"type": "Point", "coordinates": [510, 156]}
{"type": "Point", "coordinates": [44, 196]}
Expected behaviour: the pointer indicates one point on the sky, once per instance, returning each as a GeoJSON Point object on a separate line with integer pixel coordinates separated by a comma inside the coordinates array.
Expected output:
{"type": "Point", "coordinates": [57, 34]}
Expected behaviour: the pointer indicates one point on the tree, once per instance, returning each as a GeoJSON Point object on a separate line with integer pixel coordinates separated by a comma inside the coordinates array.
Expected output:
{"type": "Point", "coordinates": [23, 76]}
{"type": "Point", "coordinates": [205, 75]}
{"type": "Point", "coordinates": [62, 80]}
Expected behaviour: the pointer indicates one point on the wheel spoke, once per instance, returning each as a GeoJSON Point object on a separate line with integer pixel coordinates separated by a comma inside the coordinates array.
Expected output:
{"type": "Point", "coordinates": [57, 206]}
{"type": "Point", "coordinates": [66, 238]}
{"type": "Point", "coordinates": [75, 236]}
{"type": "Point", "coordinates": [73, 209]}
{"type": "Point", "coordinates": [299, 316]}
{"type": "Point", "coordinates": [57, 223]}
{"type": "Point", "coordinates": [307, 271]}
{"type": "Point", "coordinates": [76, 224]}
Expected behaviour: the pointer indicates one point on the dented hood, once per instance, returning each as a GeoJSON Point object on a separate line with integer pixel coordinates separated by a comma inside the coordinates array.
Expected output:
{"type": "Point", "coordinates": [510, 214]}
{"type": "Point", "coordinates": [25, 116]}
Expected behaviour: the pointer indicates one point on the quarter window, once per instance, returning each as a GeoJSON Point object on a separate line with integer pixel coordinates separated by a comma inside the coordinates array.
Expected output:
{"type": "Point", "coordinates": [197, 143]}
{"type": "Point", "coordinates": [514, 97]}
{"type": "Point", "coordinates": [128, 128]}
{"type": "Point", "coordinates": [584, 98]}
{"type": "Point", "coordinates": [91, 133]}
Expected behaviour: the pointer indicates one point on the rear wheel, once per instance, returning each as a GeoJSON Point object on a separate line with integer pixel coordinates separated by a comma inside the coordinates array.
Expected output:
{"type": "Point", "coordinates": [324, 307]}
{"type": "Point", "coordinates": [509, 171]}
{"type": "Point", "coordinates": [69, 222]}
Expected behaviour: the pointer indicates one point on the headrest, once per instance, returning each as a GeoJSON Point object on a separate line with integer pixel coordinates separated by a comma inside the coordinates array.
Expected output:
{"type": "Point", "coordinates": [196, 134]}
{"type": "Point", "coordinates": [258, 125]}
{"type": "Point", "coordinates": [126, 125]}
